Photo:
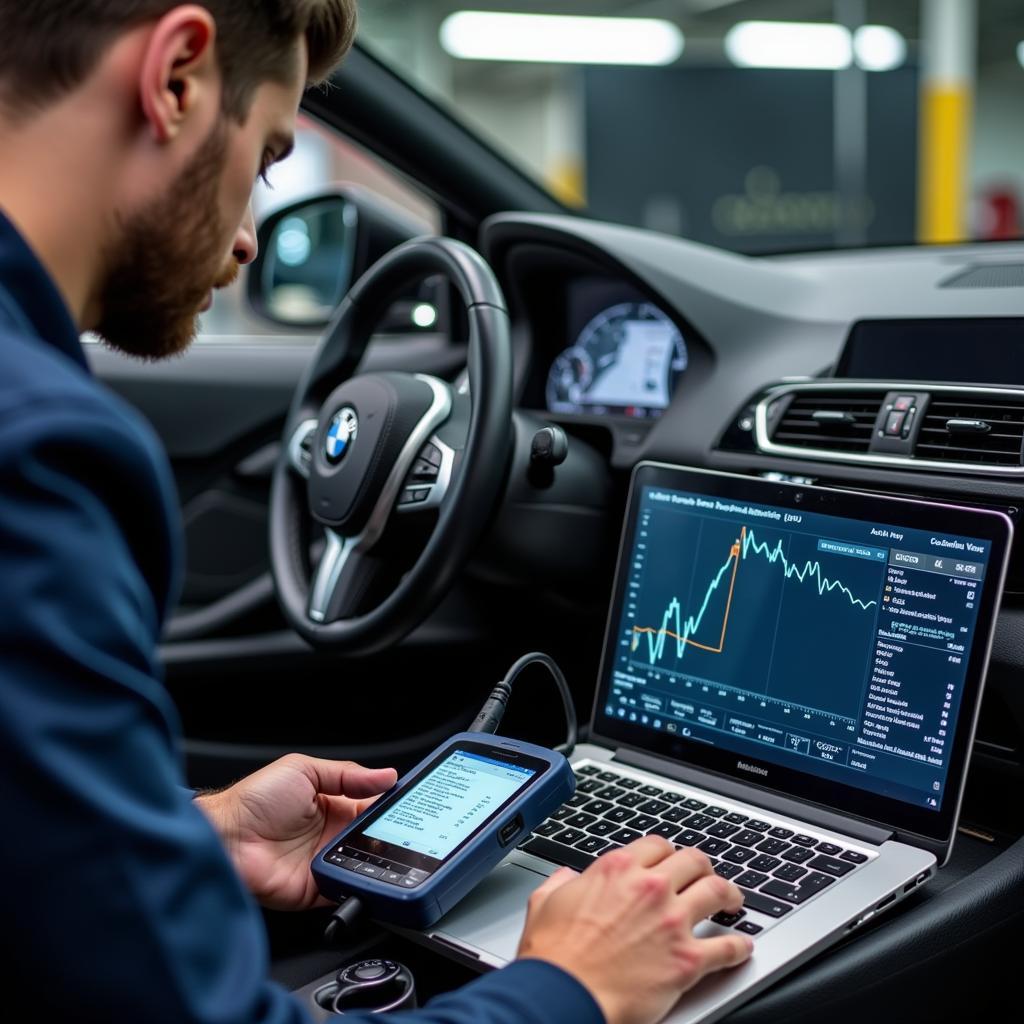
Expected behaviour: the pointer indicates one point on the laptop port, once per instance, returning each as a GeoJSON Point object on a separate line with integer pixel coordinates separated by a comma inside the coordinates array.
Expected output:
{"type": "Point", "coordinates": [888, 899]}
{"type": "Point", "coordinates": [910, 885]}
{"type": "Point", "coordinates": [863, 919]}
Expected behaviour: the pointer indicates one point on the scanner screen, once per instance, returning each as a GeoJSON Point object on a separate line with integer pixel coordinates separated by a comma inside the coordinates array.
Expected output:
{"type": "Point", "coordinates": [448, 804]}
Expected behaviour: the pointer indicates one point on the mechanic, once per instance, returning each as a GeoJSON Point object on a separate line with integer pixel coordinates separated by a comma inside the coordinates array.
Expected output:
{"type": "Point", "coordinates": [132, 131]}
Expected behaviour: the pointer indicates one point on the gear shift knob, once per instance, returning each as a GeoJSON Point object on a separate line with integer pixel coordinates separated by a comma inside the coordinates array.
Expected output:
{"type": "Point", "coordinates": [378, 985]}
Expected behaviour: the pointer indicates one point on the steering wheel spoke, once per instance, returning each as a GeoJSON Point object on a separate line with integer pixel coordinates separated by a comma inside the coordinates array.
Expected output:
{"type": "Point", "coordinates": [328, 572]}
{"type": "Point", "coordinates": [345, 574]}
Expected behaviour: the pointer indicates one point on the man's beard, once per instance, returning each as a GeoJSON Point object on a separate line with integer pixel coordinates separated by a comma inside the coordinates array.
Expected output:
{"type": "Point", "coordinates": [168, 258]}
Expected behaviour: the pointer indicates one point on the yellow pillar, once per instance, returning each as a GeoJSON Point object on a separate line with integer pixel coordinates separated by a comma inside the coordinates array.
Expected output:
{"type": "Point", "coordinates": [948, 59]}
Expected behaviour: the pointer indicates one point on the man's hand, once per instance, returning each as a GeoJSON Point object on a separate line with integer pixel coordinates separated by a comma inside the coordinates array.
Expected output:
{"type": "Point", "coordinates": [274, 821]}
{"type": "Point", "coordinates": [624, 928]}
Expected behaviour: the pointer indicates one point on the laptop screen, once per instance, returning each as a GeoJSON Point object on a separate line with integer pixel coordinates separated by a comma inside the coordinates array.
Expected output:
{"type": "Point", "coordinates": [806, 634]}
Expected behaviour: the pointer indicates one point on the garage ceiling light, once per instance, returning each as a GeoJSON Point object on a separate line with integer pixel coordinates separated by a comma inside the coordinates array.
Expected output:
{"type": "Point", "coordinates": [812, 45]}
{"type": "Point", "coordinates": [560, 39]}
{"type": "Point", "coordinates": [879, 48]}
{"type": "Point", "coordinates": [788, 44]}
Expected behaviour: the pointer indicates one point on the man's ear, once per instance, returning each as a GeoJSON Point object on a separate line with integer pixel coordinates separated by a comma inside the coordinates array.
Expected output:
{"type": "Point", "coordinates": [179, 71]}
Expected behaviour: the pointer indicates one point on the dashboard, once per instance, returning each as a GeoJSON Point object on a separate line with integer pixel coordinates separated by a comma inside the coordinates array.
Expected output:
{"type": "Point", "coordinates": [669, 346]}
{"type": "Point", "coordinates": [895, 371]}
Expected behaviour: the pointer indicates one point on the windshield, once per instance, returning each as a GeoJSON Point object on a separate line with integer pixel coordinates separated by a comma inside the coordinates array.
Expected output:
{"type": "Point", "coordinates": [754, 125]}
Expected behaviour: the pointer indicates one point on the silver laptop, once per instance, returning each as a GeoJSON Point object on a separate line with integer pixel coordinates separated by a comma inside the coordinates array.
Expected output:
{"type": "Point", "coordinates": [790, 682]}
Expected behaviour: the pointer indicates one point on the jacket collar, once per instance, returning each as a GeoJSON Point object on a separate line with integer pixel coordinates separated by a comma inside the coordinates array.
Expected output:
{"type": "Point", "coordinates": [30, 299]}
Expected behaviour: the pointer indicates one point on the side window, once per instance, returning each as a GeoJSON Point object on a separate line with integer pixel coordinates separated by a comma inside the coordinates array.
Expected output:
{"type": "Point", "coordinates": [321, 159]}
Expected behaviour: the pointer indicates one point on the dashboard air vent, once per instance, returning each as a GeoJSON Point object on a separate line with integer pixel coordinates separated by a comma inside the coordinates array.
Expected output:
{"type": "Point", "coordinates": [832, 421]}
{"type": "Point", "coordinates": [972, 428]}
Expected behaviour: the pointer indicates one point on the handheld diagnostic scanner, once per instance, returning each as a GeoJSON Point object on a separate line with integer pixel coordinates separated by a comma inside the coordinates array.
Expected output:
{"type": "Point", "coordinates": [437, 833]}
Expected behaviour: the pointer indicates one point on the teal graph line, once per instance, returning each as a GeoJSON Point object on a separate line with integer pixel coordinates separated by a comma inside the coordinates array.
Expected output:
{"type": "Point", "coordinates": [739, 551]}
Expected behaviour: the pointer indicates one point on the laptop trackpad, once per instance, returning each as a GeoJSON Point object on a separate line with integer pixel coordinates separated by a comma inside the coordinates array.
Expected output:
{"type": "Point", "coordinates": [492, 916]}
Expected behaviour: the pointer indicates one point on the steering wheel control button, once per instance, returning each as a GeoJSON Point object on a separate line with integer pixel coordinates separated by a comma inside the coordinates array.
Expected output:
{"type": "Point", "coordinates": [341, 434]}
{"type": "Point", "coordinates": [431, 453]}
{"type": "Point", "coordinates": [414, 495]}
{"type": "Point", "coordinates": [423, 470]}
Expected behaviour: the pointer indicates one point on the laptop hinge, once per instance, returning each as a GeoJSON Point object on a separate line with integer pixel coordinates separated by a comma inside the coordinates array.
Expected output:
{"type": "Point", "coordinates": [752, 794]}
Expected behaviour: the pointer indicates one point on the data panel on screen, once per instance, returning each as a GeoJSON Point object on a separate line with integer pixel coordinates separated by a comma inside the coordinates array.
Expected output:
{"type": "Point", "coordinates": [831, 646]}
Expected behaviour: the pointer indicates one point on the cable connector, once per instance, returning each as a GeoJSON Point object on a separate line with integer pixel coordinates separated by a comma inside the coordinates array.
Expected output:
{"type": "Point", "coordinates": [493, 711]}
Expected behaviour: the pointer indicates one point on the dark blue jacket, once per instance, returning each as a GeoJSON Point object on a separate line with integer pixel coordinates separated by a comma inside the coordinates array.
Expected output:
{"type": "Point", "coordinates": [117, 899]}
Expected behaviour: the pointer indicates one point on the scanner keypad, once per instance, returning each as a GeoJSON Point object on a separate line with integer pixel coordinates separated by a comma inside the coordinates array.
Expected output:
{"type": "Point", "coordinates": [383, 870]}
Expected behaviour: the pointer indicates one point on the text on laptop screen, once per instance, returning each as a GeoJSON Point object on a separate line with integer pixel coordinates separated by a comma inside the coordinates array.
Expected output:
{"type": "Point", "coordinates": [824, 644]}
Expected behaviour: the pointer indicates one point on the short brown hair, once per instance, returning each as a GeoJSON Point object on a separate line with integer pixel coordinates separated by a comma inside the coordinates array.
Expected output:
{"type": "Point", "coordinates": [48, 47]}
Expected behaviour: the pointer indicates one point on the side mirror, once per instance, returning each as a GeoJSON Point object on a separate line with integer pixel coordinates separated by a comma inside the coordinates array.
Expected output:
{"type": "Point", "coordinates": [312, 251]}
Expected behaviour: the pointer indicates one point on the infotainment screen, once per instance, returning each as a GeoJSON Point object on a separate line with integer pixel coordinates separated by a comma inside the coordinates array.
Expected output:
{"type": "Point", "coordinates": [959, 351]}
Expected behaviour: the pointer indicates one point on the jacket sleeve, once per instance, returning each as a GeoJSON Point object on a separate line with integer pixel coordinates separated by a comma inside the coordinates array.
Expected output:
{"type": "Point", "coordinates": [120, 903]}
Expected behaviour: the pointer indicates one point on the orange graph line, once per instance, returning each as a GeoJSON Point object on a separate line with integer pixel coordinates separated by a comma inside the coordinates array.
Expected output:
{"type": "Point", "coordinates": [734, 553]}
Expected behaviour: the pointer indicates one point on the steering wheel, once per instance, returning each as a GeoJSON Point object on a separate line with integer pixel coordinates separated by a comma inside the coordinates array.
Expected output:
{"type": "Point", "coordinates": [381, 461]}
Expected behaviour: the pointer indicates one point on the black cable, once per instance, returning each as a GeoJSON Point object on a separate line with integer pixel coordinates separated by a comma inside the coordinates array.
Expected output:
{"type": "Point", "coordinates": [345, 922]}
{"type": "Point", "coordinates": [493, 711]}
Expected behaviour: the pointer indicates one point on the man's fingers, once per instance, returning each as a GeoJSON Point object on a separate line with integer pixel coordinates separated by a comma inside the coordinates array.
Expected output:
{"type": "Point", "coordinates": [708, 895]}
{"type": "Point", "coordinates": [725, 951]}
{"type": "Point", "coordinates": [551, 884]}
{"type": "Point", "coordinates": [359, 782]}
{"type": "Point", "coordinates": [346, 778]}
{"type": "Point", "coordinates": [648, 851]}
{"type": "Point", "coordinates": [684, 867]}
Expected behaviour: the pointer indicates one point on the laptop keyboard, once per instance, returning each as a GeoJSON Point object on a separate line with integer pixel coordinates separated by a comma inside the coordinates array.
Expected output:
{"type": "Point", "coordinates": [777, 868]}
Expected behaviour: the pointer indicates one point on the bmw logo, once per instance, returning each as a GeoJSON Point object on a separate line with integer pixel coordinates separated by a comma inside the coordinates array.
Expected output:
{"type": "Point", "coordinates": [341, 434]}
